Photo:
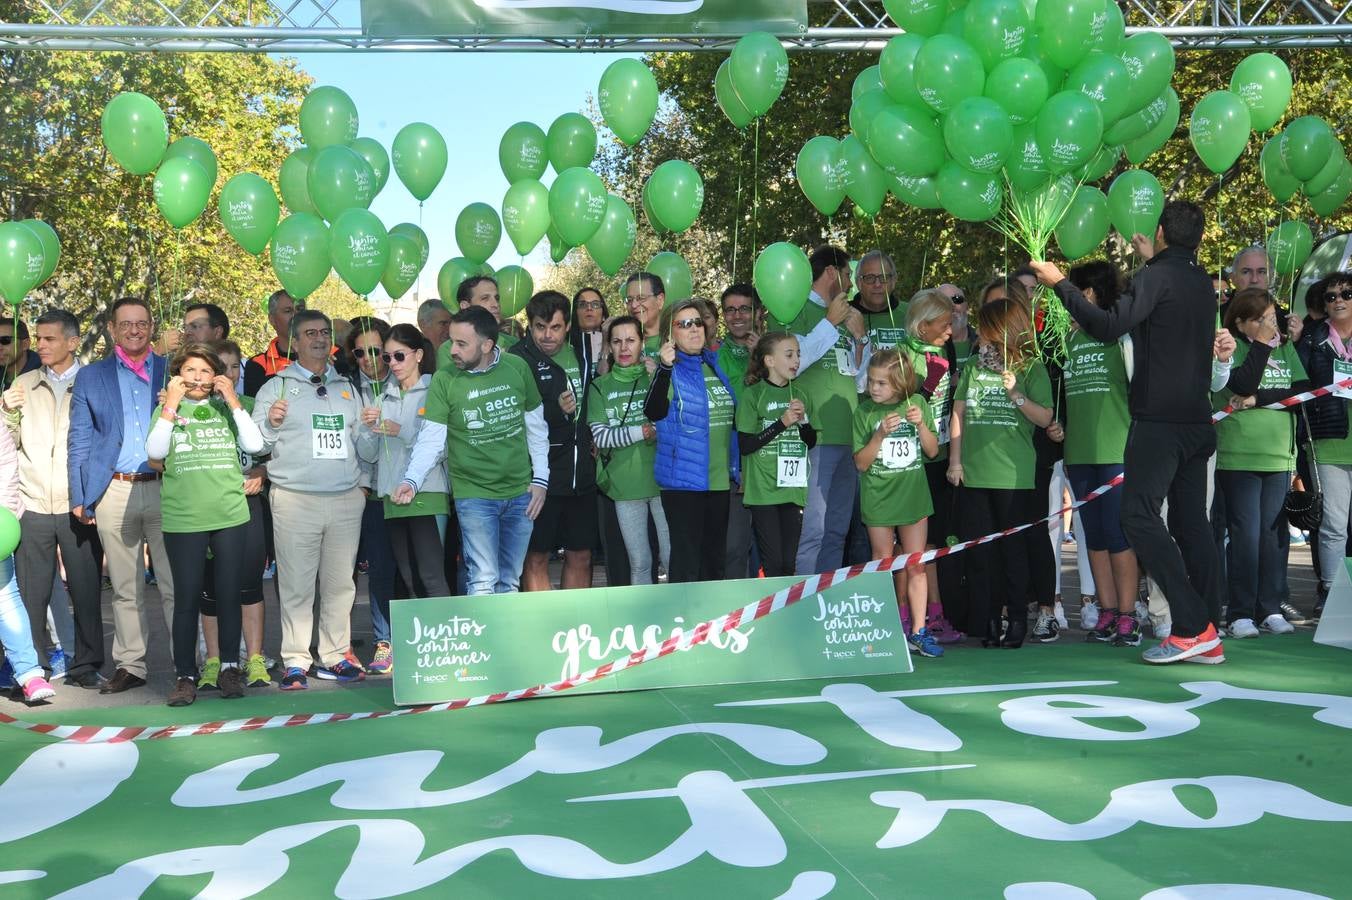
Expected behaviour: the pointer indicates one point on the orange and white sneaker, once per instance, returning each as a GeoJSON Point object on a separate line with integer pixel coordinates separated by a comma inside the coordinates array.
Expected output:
{"type": "Point", "coordinates": [1177, 649]}
{"type": "Point", "coordinates": [1213, 657]}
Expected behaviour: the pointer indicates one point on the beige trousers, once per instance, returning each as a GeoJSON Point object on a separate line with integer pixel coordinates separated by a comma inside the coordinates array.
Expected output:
{"type": "Point", "coordinates": [316, 537]}
{"type": "Point", "coordinates": [127, 515]}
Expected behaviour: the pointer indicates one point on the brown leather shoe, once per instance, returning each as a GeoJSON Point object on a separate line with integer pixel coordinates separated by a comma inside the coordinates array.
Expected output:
{"type": "Point", "coordinates": [122, 680]}
{"type": "Point", "coordinates": [231, 683]}
{"type": "Point", "coordinates": [184, 692]}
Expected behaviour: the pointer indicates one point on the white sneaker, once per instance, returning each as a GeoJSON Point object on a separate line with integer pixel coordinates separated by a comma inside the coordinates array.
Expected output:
{"type": "Point", "coordinates": [1164, 629]}
{"type": "Point", "coordinates": [1059, 613]}
{"type": "Point", "coordinates": [1244, 628]}
{"type": "Point", "coordinates": [1277, 624]}
{"type": "Point", "coordinates": [1089, 615]}
{"type": "Point", "coordinates": [1142, 612]}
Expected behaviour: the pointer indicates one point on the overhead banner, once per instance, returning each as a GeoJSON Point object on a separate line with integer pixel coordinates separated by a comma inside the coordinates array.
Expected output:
{"type": "Point", "coordinates": [620, 18]}
{"type": "Point", "coordinates": [453, 647]}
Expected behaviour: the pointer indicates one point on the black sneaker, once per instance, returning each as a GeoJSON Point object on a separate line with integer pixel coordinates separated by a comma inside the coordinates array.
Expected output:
{"type": "Point", "coordinates": [1128, 632]}
{"type": "Point", "coordinates": [1293, 615]}
{"type": "Point", "coordinates": [1046, 630]}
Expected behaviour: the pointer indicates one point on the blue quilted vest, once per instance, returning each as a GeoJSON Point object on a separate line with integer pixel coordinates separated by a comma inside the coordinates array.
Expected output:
{"type": "Point", "coordinates": [683, 436]}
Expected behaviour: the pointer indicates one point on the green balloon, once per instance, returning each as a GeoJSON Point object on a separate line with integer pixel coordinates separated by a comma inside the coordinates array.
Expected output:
{"type": "Point", "coordinates": [1135, 201]}
{"type": "Point", "coordinates": [864, 110]}
{"type": "Point", "coordinates": [1084, 225]}
{"type": "Point", "coordinates": [1333, 197]}
{"type": "Point", "coordinates": [197, 150]}
{"type": "Point", "coordinates": [610, 247]}
{"type": "Point", "coordinates": [577, 204]}
{"type": "Point", "coordinates": [978, 135]}
{"type": "Point", "coordinates": [675, 274]}
{"type": "Point", "coordinates": [1327, 175]}
{"type": "Point", "coordinates": [454, 271]}
{"type": "Point", "coordinates": [294, 181]}
{"type": "Point", "coordinates": [628, 99]}
{"type": "Point", "coordinates": [249, 211]}
{"type": "Point", "coordinates": [21, 261]}
{"type": "Point", "coordinates": [403, 266]}
{"type": "Point", "coordinates": [1032, 49]}
{"type": "Point", "coordinates": [360, 247]}
{"type": "Point", "coordinates": [1065, 29]}
{"type": "Point", "coordinates": [759, 70]}
{"type": "Point", "coordinates": [820, 172]}
{"type": "Point", "coordinates": [954, 22]}
{"type": "Point", "coordinates": [1219, 130]}
{"type": "Point", "coordinates": [300, 253]}
{"type": "Point", "coordinates": [869, 79]}
{"type": "Point", "coordinates": [182, 189]}
{"type": "Point", "coordinates": [676, 193]}
{"type": "Point", "coordinates": [996, 29]}
{"type": "Point", "coordinates": [1026, 168]}
{"type": "Point", "coordinates": [1263, 82]}
{"type": "Point", "coordinates": [408, 229]}
{"type": "Point", "coordinates": [521, 152]}
{"type": "Point", "coordinates": [865, 181]}
{"type": "Point", "coordinates": [782, 276]}
{"type": "Point", "coordinates": [370, 150]}
{"type": "Point", "coordinates": [558, 247]}
{"type": "Point", "coordinates": [135, 132]}
{"type": "Point", "coordinates": [967, 195]}
{"type": "Point", "coordinates": [727, 98]}
{"type": "Point", "coordinates": [10, 533]}
{"type": "Point", "coordinates": [515, 287]}
{"type": "Point", "coordinates": [1069, 130]}
{"type": "Point", "coordinates": [1139, 123]}
{"type": "Point", "coordinates": [419, 158]}
{"type": "Point", "coordinates": [1306, 145]}
{"type": "Point", "coordinates": [327, 117]}
{"type": "Point", "coordinates": [1101, 164]}
{"type": "Point", "coordinates": [1276, 175]}
{"type": "Point", "coordinates": [525, 215]}
{"type": "Point", "coordinates": [1149, 58]}
{"type": "Point", "coordinates": [1139, 150]}
{"type": "Point", "coordinates": [571, 142]}
{"type": "Point", "coordinates": [917, 16]}
{"type": "Point", "coordinates": [1020, 87]}
{"type": "Point", "coordinates": [906, 141]}
{"type": "Point", "coordinates": [338, 179]}
{"type": "Point", "coordinates": [51, 247]}
{"type": "Point", "coordinates": [1104, 80]}
{"type": "Point", "coordinates": [1108, 36]}
{"type": "Point", "coordinates": [478, 231]}
{"type": "Point", "coordinates": [948, 71]}
{"type": "Point", "coordinates": [1289, 245]}
{"type": "Point", "coordinates": [896, 66]}
{"type": "Point", "coordinates": [653, 221]}
{"type": "Point", "coordinates": [922, 192]}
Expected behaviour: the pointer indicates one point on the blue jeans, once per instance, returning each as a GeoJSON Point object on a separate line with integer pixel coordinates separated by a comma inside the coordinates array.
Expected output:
{"type": "Point", "coordinates": [495, 535]}
{"type": "Point", "coordinates": [375, 549]}
{"type": "Point", "coordinates": [15, 632]}
{"type": "Point", "coordinates": [1253, 515]}
{"type": "Point", "coordinates": [832, 481]}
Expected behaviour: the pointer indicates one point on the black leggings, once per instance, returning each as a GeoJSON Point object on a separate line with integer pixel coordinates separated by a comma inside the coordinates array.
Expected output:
{"type": "Point", "coordinates": [997, 573]}
{"type": "Point", "coordinates": [942, 523]}
{"type": "Point", "coordinates": [698, 522]}
{"type": "Point", "coordinates": [251, 570]}
{"type": "Point", "coordinates": [419, 555]}
{"type": "Point", "coordinates": [777, 531]}
{"type": "Point", "coordinates": [187, 562]}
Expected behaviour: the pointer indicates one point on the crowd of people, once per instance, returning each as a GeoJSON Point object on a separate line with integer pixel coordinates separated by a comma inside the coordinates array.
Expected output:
{"type": "Point", "coordinates": [682, 441]}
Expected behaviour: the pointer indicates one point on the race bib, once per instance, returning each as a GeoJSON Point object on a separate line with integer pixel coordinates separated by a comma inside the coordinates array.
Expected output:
{"type": "Point", "coordinates": [1342, 371]}
{"type": "Point", "coordinates": [886, 338]}
{"type": "Point", "coordinates": [941, 429]}
{"type": "Point", "coordinates": [898, 452]}
{"type": "Point", "coordinates": [791, 464]}
{"type": "Point", "coordinates": [328, 437]}
{"type": "Point", "coordinates": [844, 363]}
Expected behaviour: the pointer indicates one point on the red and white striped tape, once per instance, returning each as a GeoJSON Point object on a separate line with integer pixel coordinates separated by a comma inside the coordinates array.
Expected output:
{"type": "Point", "coordinates": [96, 734]}
{"type": "Point", "coordinates": [1289, 402]}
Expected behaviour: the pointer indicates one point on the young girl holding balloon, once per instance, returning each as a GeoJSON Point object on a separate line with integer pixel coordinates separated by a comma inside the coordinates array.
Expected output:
{"type": "Point", "coordinates": [891, 430]}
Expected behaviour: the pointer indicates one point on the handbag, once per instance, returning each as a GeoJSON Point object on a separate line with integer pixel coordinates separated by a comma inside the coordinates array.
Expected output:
{"type": "Point", "coordinates": [1305, 508]}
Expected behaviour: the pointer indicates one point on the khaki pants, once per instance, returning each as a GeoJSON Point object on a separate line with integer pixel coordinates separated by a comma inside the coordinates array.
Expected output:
{"type": "Point", "coordinates": [316, 537]}
{"type": "Point", "coordinates": [128, 514]}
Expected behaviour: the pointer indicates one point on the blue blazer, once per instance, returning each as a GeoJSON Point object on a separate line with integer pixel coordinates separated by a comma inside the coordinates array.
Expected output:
{"type": "Point", "coordinates": [96, 428]}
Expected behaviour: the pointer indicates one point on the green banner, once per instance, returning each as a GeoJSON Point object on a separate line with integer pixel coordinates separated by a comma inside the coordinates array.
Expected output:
{"type": "Point", "coordinates": [453, 647]}
{"type": "Point", "coordinates": [628, 18]}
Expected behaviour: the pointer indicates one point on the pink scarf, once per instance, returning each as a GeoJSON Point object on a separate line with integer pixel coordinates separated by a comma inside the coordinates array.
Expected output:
{"type": "Point", "coordinates": [138, 368]}
{"type": "Point", "coordinates": [1337, 344]}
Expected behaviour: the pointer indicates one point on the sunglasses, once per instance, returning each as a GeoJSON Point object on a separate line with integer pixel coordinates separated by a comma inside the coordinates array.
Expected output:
{"type": "Point", "coordinates": [368, 351]}
{"type": "Point", "coordinates": [689, 323]}
{"type": "Point", "coordinates": [320, 391]}
{"type": "Point", "coordinates": [6, 340]}
{"type": "Point", "coordinates": [1330, 297]}
{"type": "Point", "coordinates": [398, 356]}
{"type": "Point", "coordinates": [958, 298]}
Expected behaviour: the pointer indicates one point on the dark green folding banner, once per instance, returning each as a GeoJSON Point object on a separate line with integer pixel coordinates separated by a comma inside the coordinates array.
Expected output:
{"type": "Point", "coordinates": [654, 18]}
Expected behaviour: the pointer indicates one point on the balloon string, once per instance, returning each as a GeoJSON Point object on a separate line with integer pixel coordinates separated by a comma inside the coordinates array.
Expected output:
{"type": "Point", "coordinates": [1220, 229]}
{"type": "Point", "coordinates": [737, 211]}
{"type": "Point", "coordinates": [423, 265]}
{"type": "Point", "coordinates": [755, 193]}
{"type": "Point", "coordinates": [878, 244]}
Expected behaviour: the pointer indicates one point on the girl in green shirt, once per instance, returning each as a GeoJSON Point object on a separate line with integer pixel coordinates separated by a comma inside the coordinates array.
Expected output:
{"type": "Point", "coordinates": [773, 436]}
{"type": "Point", "coordinates": [891, 429]}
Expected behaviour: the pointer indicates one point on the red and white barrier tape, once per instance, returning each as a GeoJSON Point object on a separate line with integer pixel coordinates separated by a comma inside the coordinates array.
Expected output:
{"type": "Point", "coordinates": [1289, 401]}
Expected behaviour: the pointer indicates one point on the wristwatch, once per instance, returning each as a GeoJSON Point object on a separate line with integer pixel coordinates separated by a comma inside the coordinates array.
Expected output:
{"type": "Point", "coordinates": [1020, 400]}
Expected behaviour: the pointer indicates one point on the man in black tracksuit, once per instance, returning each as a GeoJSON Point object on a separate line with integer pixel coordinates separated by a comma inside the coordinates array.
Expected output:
{"type": "Point", "coordinates": [1170, 311]}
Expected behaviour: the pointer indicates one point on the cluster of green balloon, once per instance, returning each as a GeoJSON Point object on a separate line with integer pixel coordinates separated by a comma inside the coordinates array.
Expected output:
{"type": "Point", "coordinates": [1307, 158]}
{"type": "Point", "coordinates": [749, 81]}
{"type": "Point", "coordinates": [409, 250]}
{"type": "Point", "coordinates": [29, 253]}
{"type": "Point", "coordinates": [673, 196]}
{"type": "Point", "coordinates": [628, 99]}
{"type": "Point", "coordinates": [675, 274]}
{"type": "Point", "coordinates": [515, 287]}
{"type": "Point", "coordinates": [1289, 245]}
{"type": "Point", "coordinates": [782, 276]}
{"type": "Point", "coordinates": [1260, 91]}
{"type": "Point", "coordinates": [454, 271]}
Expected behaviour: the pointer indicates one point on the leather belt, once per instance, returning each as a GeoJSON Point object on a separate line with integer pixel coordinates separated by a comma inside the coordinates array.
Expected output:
{"type": "Point", "coordinates": [136, 476]}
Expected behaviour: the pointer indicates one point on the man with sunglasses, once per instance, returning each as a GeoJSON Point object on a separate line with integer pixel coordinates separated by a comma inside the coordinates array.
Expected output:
{"type": "Point", "coordinates": [15, 357]}
{"type": "Point", "coordinates": [309, 414]}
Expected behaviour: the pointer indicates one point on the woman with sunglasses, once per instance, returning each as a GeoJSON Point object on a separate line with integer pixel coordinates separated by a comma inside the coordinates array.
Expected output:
{"type": "Point", "coordinates": [1326, 351]}
{"type": "Point", "coordinates": [692, 406]}
{"type": "Point", "coordinates": [386, 438]}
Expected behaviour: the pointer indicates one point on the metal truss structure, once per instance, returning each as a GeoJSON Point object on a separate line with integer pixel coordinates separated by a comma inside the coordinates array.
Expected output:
{"type": "Point", "coordinates": [309, 26]}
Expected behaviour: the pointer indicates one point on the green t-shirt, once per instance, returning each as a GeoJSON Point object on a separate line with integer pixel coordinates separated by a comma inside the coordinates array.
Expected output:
{"type": "Point", "coordinates": [619, 404]}
{"type": "Point", "coordinates": [828, 381]}
{"type": "Point", "coordinates": [777, 472]}
{"type": "Point", "coordinates": [485, 418]}
{"type": "Point", "coordinates": [1097, 419]}
{"type": "Point", "coordinates": [722, 411]}
{"type": "Point", "coordinates": [733, 359]}
{"type": "Point", "coordinates": [1260, 440]}
{"type": "Point", "coordinates": [997, 439]}
{"type": "Point", "coordinates": [940, 406]}
{"type": "Point", "coordinates": [652, 345]}
{"type": "Point", "coordinates": [893, 490]}
{"type": "Point", "coordinates": [886, 329]}
{"type": "Point", "coordinates": [203, 488]}
{"type": "Point", "coordinates": [505, 342]}
{"type": "Point", "coordinates": [963, 351]}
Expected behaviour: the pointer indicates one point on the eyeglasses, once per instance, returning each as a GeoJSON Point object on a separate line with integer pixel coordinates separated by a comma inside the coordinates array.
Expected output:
{"type": "Point", "coordinates": [312, 333]}
{"type": "Point", "coordinates": [6, 340]}
{"type": "Point", "coordinates": [320, 391]}
{"type": "Point", "coordinates": [641, 298]}
{"type": "Point", "coordinates": [736, 310]}
{"type": "Point", "coordinates": [367, 351]}
{"type": "Point", "coordinates": [142, 325]}
{"type": "Point", "coordinates": [1330, 297]}
{"type": "Point", "coordinates": [590, 304]}
{"type": "Point", "coordinates": [398, 356]}
{"type": "Point", "coordinates": [689, 323]}
{"type": "Point", "coordinates": [874, 279]}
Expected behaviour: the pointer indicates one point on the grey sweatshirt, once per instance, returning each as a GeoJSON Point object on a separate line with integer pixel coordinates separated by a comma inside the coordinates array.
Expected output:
{"type": "Point", "coordinates": [315, 449]}
{"type": "Point", "coordinates": [390, 453]}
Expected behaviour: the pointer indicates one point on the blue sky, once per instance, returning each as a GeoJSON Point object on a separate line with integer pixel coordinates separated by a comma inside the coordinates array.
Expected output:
{"type": "Point", "coordinates": [471, 98]}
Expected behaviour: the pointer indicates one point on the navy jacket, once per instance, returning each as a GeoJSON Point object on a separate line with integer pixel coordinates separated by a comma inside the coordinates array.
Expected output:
{"type": "Point", "coordinates": [96, 428]}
